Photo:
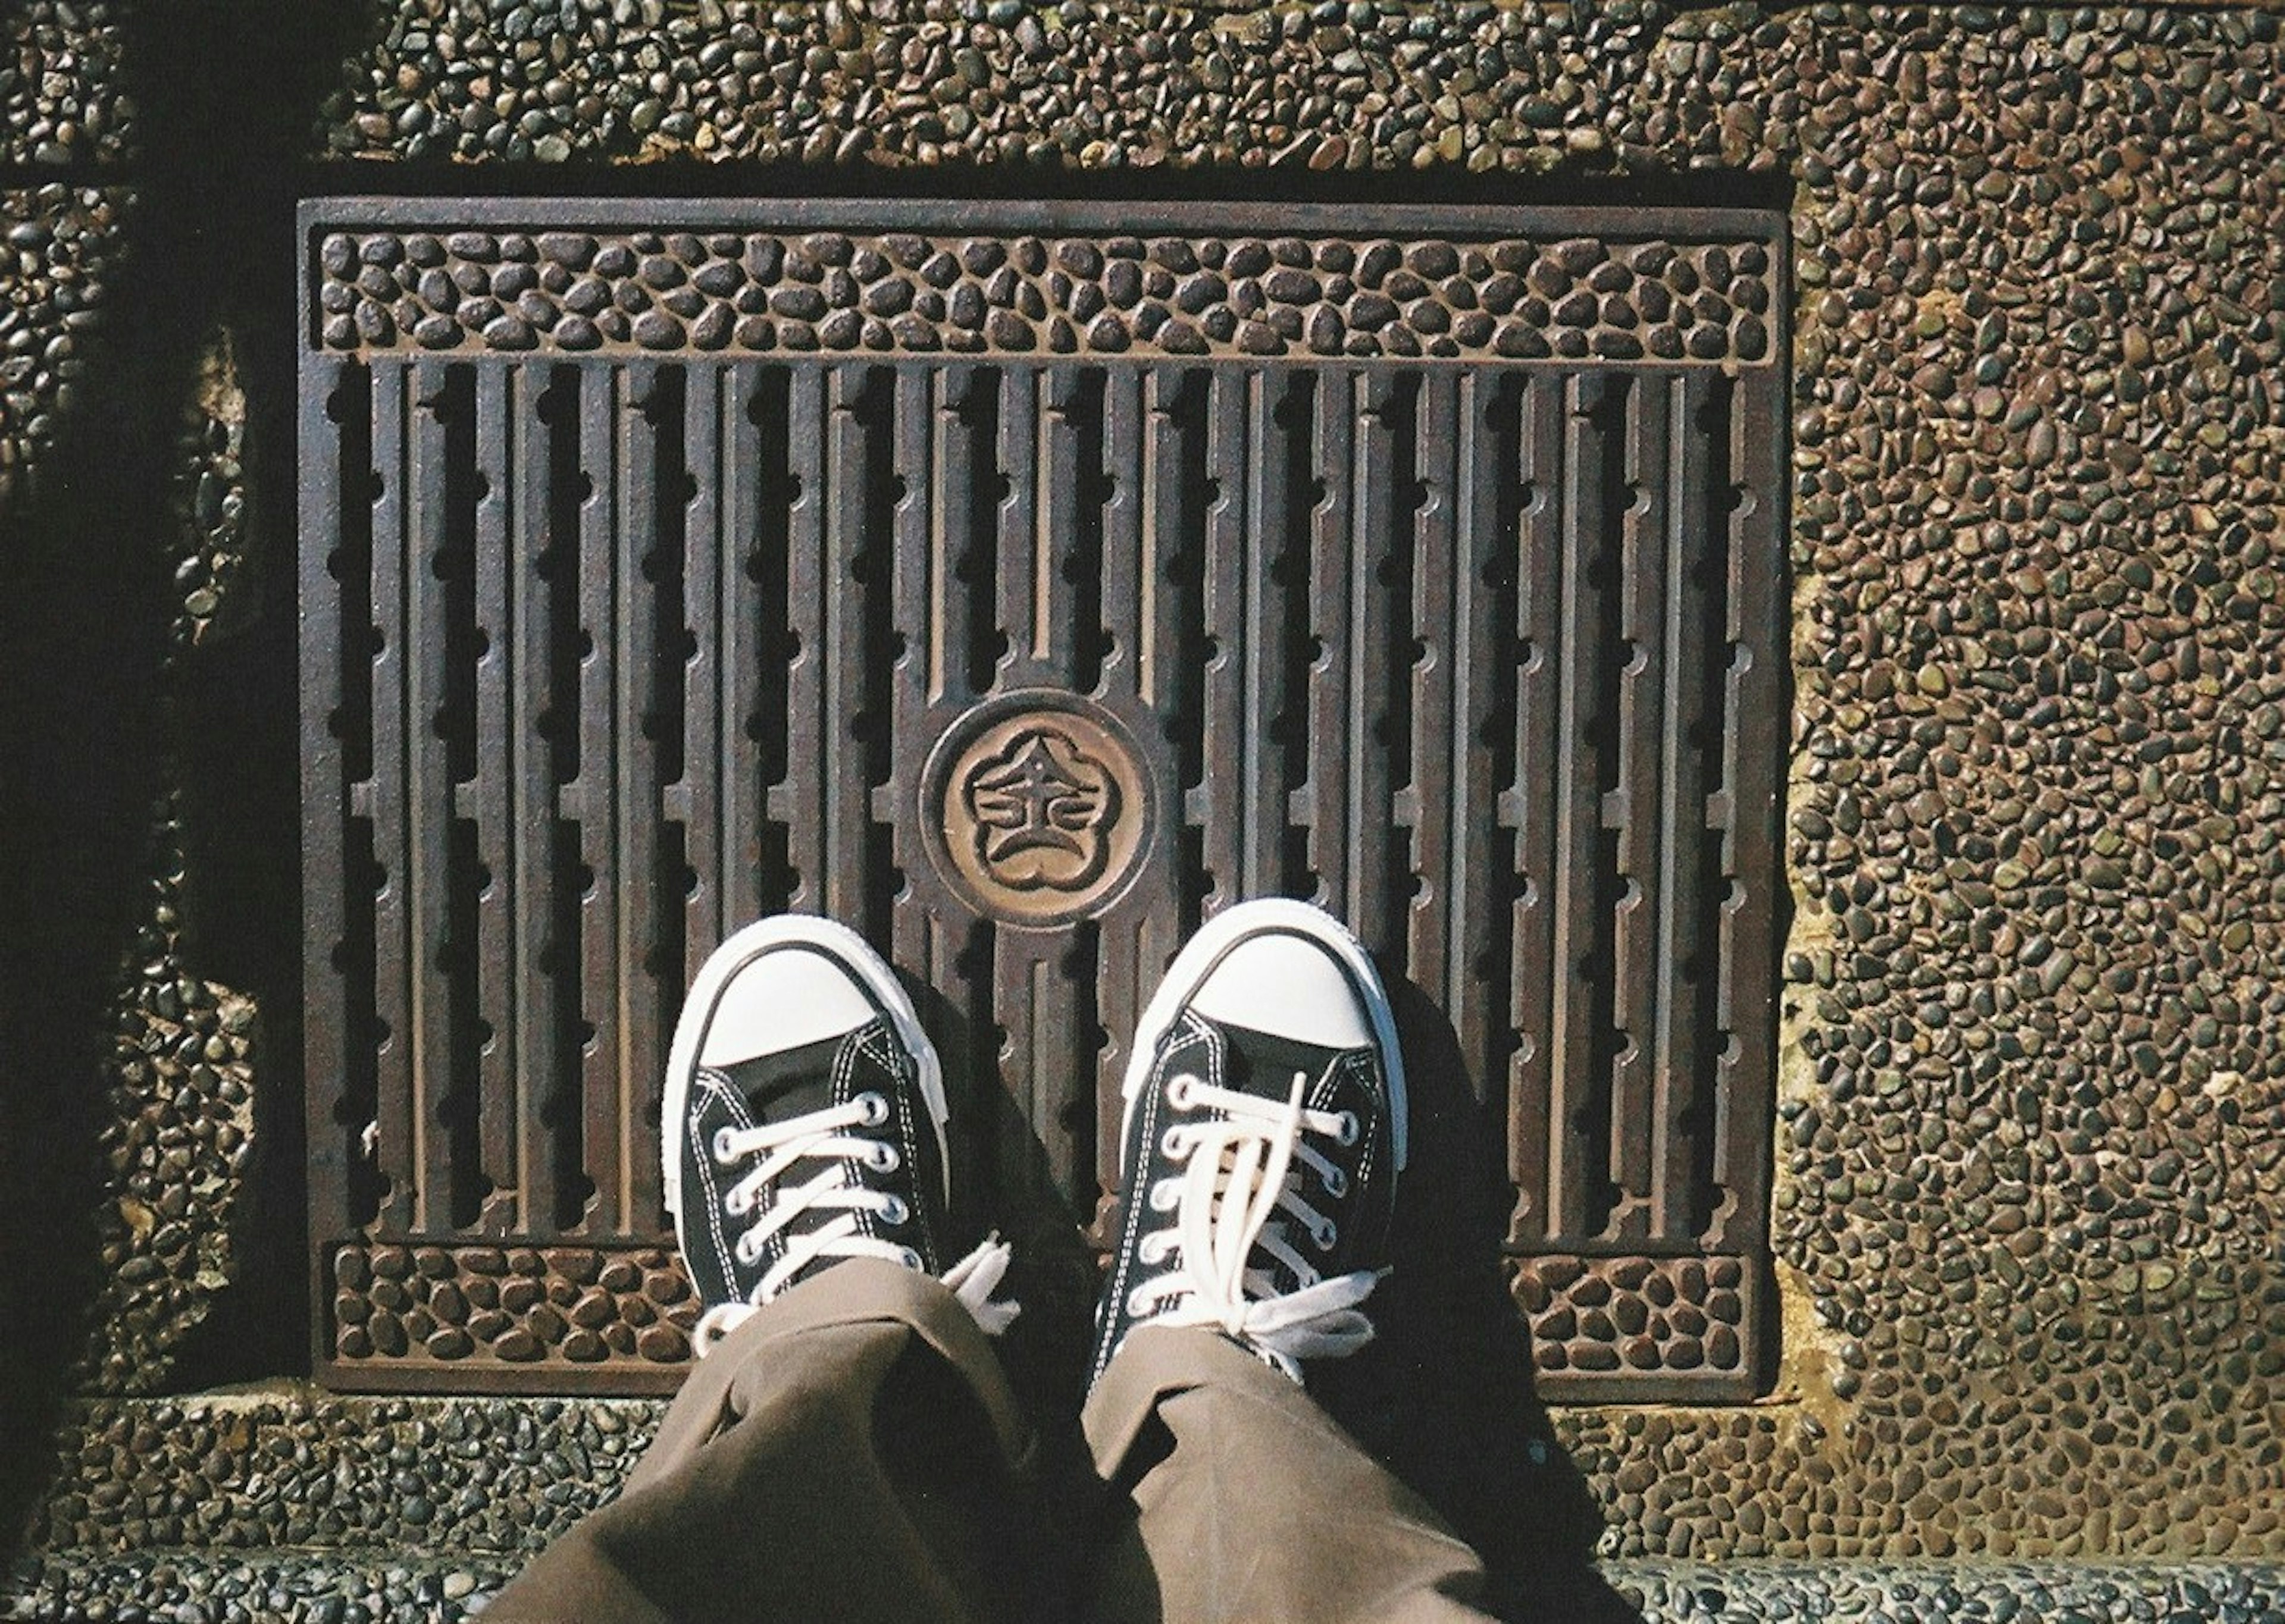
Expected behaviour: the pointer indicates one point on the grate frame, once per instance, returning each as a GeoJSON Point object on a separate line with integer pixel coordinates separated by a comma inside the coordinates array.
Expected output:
{"type": "Point", "coordinates": [771, 589]}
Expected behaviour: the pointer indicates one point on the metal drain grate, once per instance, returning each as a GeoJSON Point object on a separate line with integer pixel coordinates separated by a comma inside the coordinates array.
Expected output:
{"type": "Point", "coordinates": [1021, 584]}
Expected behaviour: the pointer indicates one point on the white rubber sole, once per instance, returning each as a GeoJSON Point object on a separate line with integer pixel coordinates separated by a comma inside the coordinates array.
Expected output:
{"type": "Point", "coordinates": [846, 948]}
{"type": "Point", "coordinates": [1224, 932]}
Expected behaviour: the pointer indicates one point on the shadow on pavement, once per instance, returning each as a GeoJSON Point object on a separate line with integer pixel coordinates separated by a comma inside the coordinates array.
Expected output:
{"type": "Point", "coordinates": [1444, 1393]}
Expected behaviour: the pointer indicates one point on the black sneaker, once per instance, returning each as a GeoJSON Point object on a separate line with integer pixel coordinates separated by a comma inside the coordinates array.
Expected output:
{"type": "Point", "coordinates": [1264, 1131]}
{"type": "Point", "coordinates": [804, 1122]}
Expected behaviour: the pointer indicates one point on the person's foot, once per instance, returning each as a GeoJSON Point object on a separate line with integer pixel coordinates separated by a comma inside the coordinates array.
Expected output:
{"type": "Point", "coordinates": [803, 1123]}
{"type": "Point", "coordinates": [1264, 1131]}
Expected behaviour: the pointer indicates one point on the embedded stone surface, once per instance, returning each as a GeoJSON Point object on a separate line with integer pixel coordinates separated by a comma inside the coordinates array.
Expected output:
{"type": "Point", "coordinates": [177, 1146]}
{"type": "Point", "coordinates": [410, 1307]}
{"type": "Point", "coordinates": [2029, 1159]}
{"type": "Point", "coordinates": [1908, 1593]}
{"type": "Point", "coordinates": [382, 1587]}
{"type": "Point", "coordinates": [300, 1468]}
{"type": "Point", "coordinates": [2030, 1148]}
{"type": "Point", "coordinates": [1635, 1313]}
{"type": "Point", "coordinates": [217, 557]}
{"type": "Point", "coordinates": [60, 243]}
{"type": "Point", "coordinates": [62, 101]}
{"type": "Point", "coordinates": [178, 1138]}
{"type": "Point", "coordinates": [571, 292]}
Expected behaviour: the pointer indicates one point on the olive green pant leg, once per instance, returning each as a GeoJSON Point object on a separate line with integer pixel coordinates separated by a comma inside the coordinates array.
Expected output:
{"type": "Point", "coordinates": [846, 1454]}
{"type": "Point", "coordinates": [1248, 1503]}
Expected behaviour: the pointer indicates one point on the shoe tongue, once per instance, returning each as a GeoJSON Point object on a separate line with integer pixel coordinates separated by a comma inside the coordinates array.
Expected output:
{"type": "Point", "coordinates": [1264, 1063]}
{"type": "Point", "coordinates": [791, 1082]}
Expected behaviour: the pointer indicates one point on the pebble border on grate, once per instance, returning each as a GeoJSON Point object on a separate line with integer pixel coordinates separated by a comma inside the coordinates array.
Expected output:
{"type": "Point", "coordinates": [833, 292]}
{"type": "Point", "coordinates": [519, 1305]}
{"type": "Point", "coordinates": [1641, 1313]}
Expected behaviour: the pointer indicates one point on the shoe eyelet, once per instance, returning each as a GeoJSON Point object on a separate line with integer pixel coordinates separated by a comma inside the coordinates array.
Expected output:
{"type": "Point", "coordinates": [1178, 1090]}
{"type": "Point", "coordinates": [744, 1251]}
{"type": "Point", "coordinates": [1153, 1247]}
{"type": "Point", "coordinates": [723, 1147]}
{"type": "Point", "coordinates": [736, 1203]}
{"type": "Point", "coordinates": [913, 1260]}
{"type": "Point", "coordinates": [1337, 1182]}
{"type": "Point", "coordinates": [882, 1158]}
{"type": "Point", "coordinates": [1166, 1196]}
{"type": "Point", "coordinates": [1326, 1236]}
{"type": "Point", "coordinates": [876, 1109]}
{"type": "Point", "coordinates": [894, 1212]}
{"type": "Point", "coordinates": [1137, 1303]}
{"type": "Point", "coordinates": [1174, 1144]}
{"type": "Point", "coordinates": [1350, 1130]}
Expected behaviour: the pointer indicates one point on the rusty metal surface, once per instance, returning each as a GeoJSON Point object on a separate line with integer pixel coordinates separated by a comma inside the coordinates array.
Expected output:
{"type": "Point", "coordinates": [1022, 647]}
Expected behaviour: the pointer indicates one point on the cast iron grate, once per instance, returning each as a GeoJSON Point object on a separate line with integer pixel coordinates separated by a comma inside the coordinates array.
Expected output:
{"type": "Point", "coordinates": [1020, 585]}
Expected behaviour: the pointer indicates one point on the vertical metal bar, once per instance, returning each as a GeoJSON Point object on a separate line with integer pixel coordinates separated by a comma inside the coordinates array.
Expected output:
{"type": "Point", "coordinates": [1140, 451]}
{"type": "Point", "coordinates": [326, 506]}
{"type": "Point", "coordinates": [1023, 555]}
{"type": "Point", "coordinates": [1168, 510]}
{"type": "Point", "coordinates": [1128, 943]}
{"type": "Point", "coordinates": [643, 483]}
{"type": "Point", "coordinates": [1263, 640]}
{"type": "Point", "coordinates": [1232, 566]}
{"type": "Point", "coordinates": [1130, 560]}
{"type": "Point", "coordinates": [955, 471]}
{"type": "Point", "coordinates": [745, 687]}
{"type": "Point", "coordinates": [1441, 573]}
{"type": "Point", "coordinates": [428, 794]}
{"type": "Point", "coordinates": [1059, 524]}
{"type": "Point", "coordinates": [916, 572]}
{"type": "Point", "coordinates": [959, 537]}
{"type": "Point", "coordinates": [1575, 1172]}
{"type": "Point", "coordinates": [711, 561]}
{"type": "Point", "coordinates": [595, 796]}
{"type": "Point", "coordinates": [1043, 999]}
{"type": "Point", "coordinates": [498, 749]}
{"type": "Point", "coordinates": [1532, 801]}
{"type": "Point", "coordinates": [1472, 891]}
{"type": "Point", "coordinates": [392, 1148]}
{"type": "Point", "coordinates": [799, 803]}
{"type": "Point", "coordinates": [1343, 445]}
{"type": "Point", "coordinates": [1375, 667]}
{"type": "Point", "coordinates": [1747, 807]}
{"type": "Point", "coordinates": [1179, 654]}
{"type": "Point", "coordinates": [1630, 810]}
{"type": "Point", "coordinates": [847, 798]}
{"type": "Point", "coordinates": [1686, 974]}
{"type": "Point", "coordinates": [532, 811]}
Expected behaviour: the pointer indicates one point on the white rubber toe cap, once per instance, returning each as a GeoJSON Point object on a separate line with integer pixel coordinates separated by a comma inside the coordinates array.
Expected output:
{"type": "Point", "coordinates": [781, 999]}
{"type": "Point", "coordinates": [1287, 986]}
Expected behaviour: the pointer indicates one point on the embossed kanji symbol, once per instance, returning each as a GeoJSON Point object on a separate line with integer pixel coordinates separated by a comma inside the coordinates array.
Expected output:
{"type": "Point", "coordinates": [1040, 809]}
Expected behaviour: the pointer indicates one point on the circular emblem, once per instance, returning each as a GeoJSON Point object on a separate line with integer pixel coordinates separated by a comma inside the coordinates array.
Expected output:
{"type": "Point", "coordinates": [1036, 804]}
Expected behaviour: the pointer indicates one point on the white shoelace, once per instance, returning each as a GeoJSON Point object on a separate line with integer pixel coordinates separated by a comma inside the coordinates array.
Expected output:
{"type": "Point", "coordinates": [1239, 1187]}
{"type": "Point", "coordinates": [821, 1136]}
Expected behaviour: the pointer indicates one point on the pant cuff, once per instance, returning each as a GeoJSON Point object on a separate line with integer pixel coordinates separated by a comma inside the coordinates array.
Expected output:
{"type": "Point", "coordinates": [1157, 1361]}
{"type": "Point", "coordinates": [872, 1290]}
